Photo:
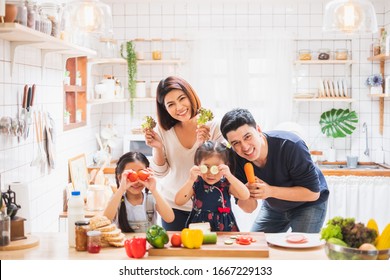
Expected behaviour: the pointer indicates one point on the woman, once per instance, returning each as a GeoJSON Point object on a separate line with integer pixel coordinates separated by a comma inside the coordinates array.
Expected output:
{"type": "Point", "coordinates": [175, 141]}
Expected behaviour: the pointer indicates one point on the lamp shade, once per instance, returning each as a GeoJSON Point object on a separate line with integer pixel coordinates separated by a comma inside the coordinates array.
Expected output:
{"type": "Point", "coordinates": [350, 16]}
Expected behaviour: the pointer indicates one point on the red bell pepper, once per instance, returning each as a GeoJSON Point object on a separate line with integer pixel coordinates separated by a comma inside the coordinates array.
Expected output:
{"type": "Point", "coordinates": [135, 247]}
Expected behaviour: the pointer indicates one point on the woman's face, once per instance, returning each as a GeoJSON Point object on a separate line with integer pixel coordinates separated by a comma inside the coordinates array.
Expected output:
{"type": "Point", "coordinates": [136, 166]}
{"type": "Point", "coordinates": [178, 105]}
{"type": "Point", "coordinates": [208, 177]}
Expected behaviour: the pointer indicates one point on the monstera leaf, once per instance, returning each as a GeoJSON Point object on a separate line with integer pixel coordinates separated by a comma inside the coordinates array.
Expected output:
{"type": "Point", "coordinates": [338, 123]}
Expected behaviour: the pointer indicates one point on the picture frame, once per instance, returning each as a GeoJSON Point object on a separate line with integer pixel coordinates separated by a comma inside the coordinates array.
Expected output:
{"type": "Point", "coordinates": [78, 174]}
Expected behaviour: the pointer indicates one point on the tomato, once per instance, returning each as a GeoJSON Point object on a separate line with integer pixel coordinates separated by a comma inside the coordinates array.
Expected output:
{"type": "Point", "coordinates": [132, 176]}
{"type": "Point", "coordinates": [143, 174]}
{"type": "Point", "coordinates": [176, 240]}
{"type": "Point", "coordinates": [244, 240]}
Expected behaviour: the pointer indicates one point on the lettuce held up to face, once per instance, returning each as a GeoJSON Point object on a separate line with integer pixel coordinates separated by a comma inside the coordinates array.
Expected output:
{"type": "Point", "coordinates": [149, 123]}
{"type": "Point", "coordinates": [204, 115]}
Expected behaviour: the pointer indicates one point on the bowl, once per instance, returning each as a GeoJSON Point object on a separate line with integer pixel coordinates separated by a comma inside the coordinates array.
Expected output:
{"type": "Point", "coordinates": [337, 252]}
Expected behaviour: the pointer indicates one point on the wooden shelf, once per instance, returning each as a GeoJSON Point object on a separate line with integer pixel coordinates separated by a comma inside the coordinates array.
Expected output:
{"type": "Point", "coordinates": [20, 35]}
{"type": "Point", "coordinates": [380, 57]}
{"type": "Point", "coordinates": [73, 88]}
{"type": "Point", "coordinates": [335, 99]}
{"type": "Point", "coordinates": [383, 95]}
{"type": "Point", "coordinates": [157, 62]}
{"type": "Point", "coordinates": [74, 125]}
{"type": "Point", "coordinates": [347, 62]}
{"type": "Point", "coordinates": [106, 101]}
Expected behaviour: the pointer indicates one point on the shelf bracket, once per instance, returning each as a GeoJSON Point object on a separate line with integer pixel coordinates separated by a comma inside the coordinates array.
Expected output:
{"type": "Point", "coordinates": [14, 45]}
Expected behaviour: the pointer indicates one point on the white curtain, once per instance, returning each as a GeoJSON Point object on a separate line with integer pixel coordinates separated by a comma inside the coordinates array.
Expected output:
{"type": "Point", "coordinates": [244, 70]}
{"type": "Point", "coordinates": [359, 197]}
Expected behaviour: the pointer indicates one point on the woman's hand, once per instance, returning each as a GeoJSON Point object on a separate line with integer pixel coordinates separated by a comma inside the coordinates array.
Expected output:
{"type": "Point", "coordinates": [152, 139]}
{"type": "Point", "coordinates": [202, 134]}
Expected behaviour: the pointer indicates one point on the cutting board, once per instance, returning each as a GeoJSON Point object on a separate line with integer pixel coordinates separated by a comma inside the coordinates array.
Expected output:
{"type": "Point", "coordinates": [258, 249]}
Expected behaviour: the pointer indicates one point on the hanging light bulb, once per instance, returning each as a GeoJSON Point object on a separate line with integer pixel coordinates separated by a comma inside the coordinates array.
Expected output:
{"type": "Point", "coordinates": [350, 16]}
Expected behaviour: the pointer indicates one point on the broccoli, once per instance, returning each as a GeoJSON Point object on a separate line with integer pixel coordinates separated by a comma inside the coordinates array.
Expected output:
{"type": "Point", "coordinates": [205, 115]}
{"type": "Point", "coordinates": [149, 123]}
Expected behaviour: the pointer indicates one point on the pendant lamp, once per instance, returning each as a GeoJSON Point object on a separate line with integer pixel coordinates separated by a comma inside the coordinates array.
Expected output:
{"type": "Point", "coordinates": [350, 16]}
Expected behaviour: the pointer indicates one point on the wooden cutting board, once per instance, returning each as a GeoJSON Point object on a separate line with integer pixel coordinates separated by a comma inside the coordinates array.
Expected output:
{"type": "Point", "coordinates": [258, 249]}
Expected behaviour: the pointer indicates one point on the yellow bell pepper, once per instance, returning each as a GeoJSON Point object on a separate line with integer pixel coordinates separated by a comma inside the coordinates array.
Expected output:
{"type": "Point", "coordinates": [192, 238]}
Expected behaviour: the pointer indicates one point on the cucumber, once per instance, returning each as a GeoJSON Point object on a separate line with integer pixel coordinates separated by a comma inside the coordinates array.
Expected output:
{"type": "Point", "coordinates": [210, 238]}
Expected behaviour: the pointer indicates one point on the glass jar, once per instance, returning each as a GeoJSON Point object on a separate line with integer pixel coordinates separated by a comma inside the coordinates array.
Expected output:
{"type": "Point", "coordinates": [157, 50]}
{"type": "Point", "coordinates": [341, 54]}
{"type": "Point", "coordinates": [376, 48]}
{"type": "Point", "coordinates": [108, 48]}
{"type": "Point", "coordinates": [31, 14]}
{"type": "Point", "coordinates": [323, 54]}
{"type": "Point", "coordinates": [5, 228]}
{"type": "Point", "coordinates": [52, 12]}
{"type": "Point", "coordinates": [81, 229]}
{"type": "Point", "coordinates": [21, 17]}
{"type": "Point", "coordinates": [44, 23]}
{"type": "Point", "coordinates": [94, 243]}
{"type": "Point", "coordinates": [304, 54]}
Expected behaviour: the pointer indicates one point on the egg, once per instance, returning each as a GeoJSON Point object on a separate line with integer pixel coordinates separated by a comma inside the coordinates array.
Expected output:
{"type": "Point", "coordinates": [367, 247]}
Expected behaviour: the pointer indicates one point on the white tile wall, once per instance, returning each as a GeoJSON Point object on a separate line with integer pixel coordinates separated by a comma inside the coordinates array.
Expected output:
{"type": "Point", "coordinates": [170, 19]}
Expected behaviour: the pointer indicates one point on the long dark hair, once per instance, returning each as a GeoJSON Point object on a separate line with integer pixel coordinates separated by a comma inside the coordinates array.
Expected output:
{"type": "Point", "coordinates": [165, 120]}
{"type": "Point", "coordinates": [120, 167]}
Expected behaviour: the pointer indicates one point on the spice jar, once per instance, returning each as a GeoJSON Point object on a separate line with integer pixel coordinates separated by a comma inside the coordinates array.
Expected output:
{"type": "Point", "coordinates": [323, 54]}
{"type": "Point", "coordinates": [304, 54]}
{"type": "Point", "coordinates": [341, 54]}
{"type": "Point", "coordinates": [81, 229]}
{"type": "Point", "coordinates": [52, 12]}
{"type": "Point", "coordinates": [94, 243]}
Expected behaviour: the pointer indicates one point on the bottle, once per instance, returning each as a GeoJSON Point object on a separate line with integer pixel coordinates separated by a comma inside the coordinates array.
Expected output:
{"type": "Point", "coordinates": [5, 227]}
{"type": "Point", "coordinates": [75, 213]}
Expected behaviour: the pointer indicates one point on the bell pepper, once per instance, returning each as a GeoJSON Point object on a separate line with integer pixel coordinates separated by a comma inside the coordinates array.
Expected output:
{"type": "Point", "coordinates": [135, 247]}
{"type": "Point", "coordinates": [192, 238]}
{"type": "Point", "coordinates": [157, 236]}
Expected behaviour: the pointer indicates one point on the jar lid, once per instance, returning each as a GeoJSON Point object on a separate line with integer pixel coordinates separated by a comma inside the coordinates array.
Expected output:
{"type": "Point", "coordinates": [94, 233]}
{"type": "Point", "coordinates": [82, 223]}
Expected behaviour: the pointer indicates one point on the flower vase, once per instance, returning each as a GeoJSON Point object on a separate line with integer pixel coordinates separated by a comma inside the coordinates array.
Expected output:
{"type": "Point", "coordinates": [376, 90]}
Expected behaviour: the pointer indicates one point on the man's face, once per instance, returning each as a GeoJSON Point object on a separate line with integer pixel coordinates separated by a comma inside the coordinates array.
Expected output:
{"type": "Point", "coordinates": [246, 141]}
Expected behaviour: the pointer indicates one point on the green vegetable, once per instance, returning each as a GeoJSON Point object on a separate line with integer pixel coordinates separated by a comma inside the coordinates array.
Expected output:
{"type": "Point", "coordinates": [131, 59]}
{"type": "Point", "coordinates": [337, 241]}
{"type": "Point", "coordinates": [204, 115]}
{"type": "Point", "coordinates": [157, 236]}
{"type": "Point", "coordinates": [210, 238]}
{"type": "Point", "coordinates": [149, 123]}
{"type": "Point", "coordinates": [345, 229]}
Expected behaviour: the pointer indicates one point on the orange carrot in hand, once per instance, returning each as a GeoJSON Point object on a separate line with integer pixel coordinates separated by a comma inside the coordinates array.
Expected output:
{"type": "Point", "coordinates": [249, 172]}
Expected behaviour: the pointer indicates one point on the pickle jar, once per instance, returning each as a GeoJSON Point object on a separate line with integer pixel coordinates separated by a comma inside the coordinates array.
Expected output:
{"type": "Point", "coordinates": [341, 54]}
{"type": "Point", "coordinates": [94, 241]}
{"type": "Point", "coordinates": [323, 54]}
{"type": "Point", "coordinates": [81, 229]}
{"type": "Point", "coordinates": [304, 54]}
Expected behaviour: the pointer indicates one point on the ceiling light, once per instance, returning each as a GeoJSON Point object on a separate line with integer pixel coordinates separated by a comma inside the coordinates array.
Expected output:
{"type": "Point", "coordinates": [350, 16]}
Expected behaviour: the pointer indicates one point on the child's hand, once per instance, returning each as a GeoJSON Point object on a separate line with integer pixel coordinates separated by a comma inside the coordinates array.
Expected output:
{"type": "Point", "coordinates": [150, 182]}
{"type": "Point", "coordinates": [194, 173]}
{"type": "Point", "coordinates": [224, 170]}
{"type": "Point", "coordinates": [125, 183]}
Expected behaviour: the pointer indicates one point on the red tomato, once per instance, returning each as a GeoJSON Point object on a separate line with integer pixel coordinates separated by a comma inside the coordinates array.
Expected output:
{"type": "Point", "coordinates": [176, 240]}
{"type": "Point", "coordinates": [132, 176]}
{"type": "Point", "coordinates": [244, 240]}
{"type": "Point", "coordinates": [143, 174]}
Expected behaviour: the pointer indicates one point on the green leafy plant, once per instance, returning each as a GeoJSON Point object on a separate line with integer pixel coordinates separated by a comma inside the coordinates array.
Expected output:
{"type": "Point", "coordinates": [338, 123]}
{"type": "Point", "coordinates": [131, 59]}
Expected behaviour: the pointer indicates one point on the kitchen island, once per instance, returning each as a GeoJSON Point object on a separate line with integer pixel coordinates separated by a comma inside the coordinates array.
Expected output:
{"type": "Point", "coordinates": [54, 246]}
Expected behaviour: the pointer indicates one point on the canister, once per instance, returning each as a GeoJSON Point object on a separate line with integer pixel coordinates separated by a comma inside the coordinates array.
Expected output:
{"type": "Point", "coordinates": [341, 54]}
{"type": "Point", "coordinates": [304, 54]}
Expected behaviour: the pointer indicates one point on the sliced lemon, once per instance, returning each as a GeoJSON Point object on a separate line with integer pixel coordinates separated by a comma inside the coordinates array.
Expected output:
{"type": "Point", "coordinates": [203, 169]}
{"type": "Point", "coordinates": [214, 170]}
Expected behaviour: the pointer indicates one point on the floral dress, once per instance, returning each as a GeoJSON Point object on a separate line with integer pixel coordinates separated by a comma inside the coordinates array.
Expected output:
{"type": "Point", "coordinates": [211, 203]}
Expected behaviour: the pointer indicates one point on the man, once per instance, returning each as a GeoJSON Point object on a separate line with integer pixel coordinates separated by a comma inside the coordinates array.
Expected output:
{"type": "Point", "coordinates": [293, 189]}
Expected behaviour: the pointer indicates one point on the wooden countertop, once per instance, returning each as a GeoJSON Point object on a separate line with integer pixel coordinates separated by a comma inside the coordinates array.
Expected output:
{"type": "Point", "coordinates": [384, 170]}
{"type": "Point", "coordinates": [54, 246]}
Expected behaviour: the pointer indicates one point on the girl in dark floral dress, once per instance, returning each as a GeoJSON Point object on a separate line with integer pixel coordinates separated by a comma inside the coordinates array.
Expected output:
{"type": "Point", "coordinates": [210, 185]}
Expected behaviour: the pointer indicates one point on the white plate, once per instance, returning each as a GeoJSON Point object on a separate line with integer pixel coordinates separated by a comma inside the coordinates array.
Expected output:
{"type": "Point", "coordinates": [279, 239]}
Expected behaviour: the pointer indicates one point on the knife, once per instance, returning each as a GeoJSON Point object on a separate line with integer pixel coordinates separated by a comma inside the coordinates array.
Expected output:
{"type": "Point", "coordinates": [32, 95]}
{"type": "Point", "coordinates": [24, 102]}
{"type": "Point", "coordinates": [28, 99]}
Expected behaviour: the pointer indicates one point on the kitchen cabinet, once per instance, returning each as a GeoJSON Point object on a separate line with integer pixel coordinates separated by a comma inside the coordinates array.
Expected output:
{"type": "Point", "coordinates": [359, 197]}
{"type": "Point", "coordinates": [75, 94]}
{"type": "Point", "coordinates": [20, 35]}
{"type": "Point", "coordinates": [323, 80]}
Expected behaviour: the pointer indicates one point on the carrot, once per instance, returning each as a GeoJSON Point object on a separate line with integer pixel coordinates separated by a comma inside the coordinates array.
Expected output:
{"type": "Point", "coordinates": [249, 172]}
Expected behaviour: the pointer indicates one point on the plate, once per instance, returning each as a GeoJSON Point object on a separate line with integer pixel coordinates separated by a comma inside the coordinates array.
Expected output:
{"type": "Point", "coordinates": [279, 239]}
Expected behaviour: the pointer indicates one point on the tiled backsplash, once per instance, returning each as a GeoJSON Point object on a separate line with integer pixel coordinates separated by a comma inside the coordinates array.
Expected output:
{"type": "Point", "coordinates": [165, 19]}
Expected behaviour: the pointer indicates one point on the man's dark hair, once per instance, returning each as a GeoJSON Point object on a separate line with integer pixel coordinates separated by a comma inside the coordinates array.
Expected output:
{"type": "Point", "coordinates": [235, 118]}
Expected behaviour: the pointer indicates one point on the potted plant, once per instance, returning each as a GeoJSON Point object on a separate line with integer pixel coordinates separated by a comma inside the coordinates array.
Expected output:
{"type": "Point", "coordinates": [374, 82]}
{"type": "Point", "coordinates": [337, 123]}
{"type": "Point", "coordinates": [131, 59]}
{"type": "Point", "coordinates": [66, 117]}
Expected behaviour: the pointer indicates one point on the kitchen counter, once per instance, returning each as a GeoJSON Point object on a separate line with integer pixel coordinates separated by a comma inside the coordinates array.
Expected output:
{"type": "Point", "coordinates": [339, 168]}
{"type": "Point", "coordinates": [54, 246]}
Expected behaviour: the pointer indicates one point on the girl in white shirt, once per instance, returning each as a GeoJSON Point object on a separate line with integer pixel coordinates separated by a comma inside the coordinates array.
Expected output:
{"type": "Point", "coordinates": [131, 207]}
{"type": "Point", "coordinates": [175, 141]}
